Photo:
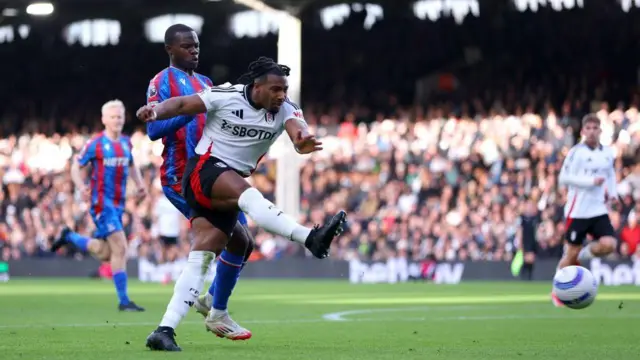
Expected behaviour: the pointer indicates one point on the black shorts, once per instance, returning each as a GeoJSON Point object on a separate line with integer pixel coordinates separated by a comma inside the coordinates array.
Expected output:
{"type": "Point", "coordinates": [529, 245]}
{"type": "Point", "coordinates": [578, 229]}
{"type": "Point", "coordinates": [169, 240]}
{"type": "Point", "coordinates": [200, 174]}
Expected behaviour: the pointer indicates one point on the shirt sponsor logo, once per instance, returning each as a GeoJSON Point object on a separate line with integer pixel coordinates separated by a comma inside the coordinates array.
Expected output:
{"type": "Point", "coordinates": [243, 131]}
{"type": "Point", "coordinates": [116, 162]}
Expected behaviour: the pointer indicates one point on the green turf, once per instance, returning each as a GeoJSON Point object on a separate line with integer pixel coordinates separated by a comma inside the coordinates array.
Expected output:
{"type": "Point", "coordinates": [76, 319]}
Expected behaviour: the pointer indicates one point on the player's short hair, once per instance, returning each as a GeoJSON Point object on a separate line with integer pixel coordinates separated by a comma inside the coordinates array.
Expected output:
{"type": "Point", "coordinates": [171, 33]}
{"type": "Point", "coordinates": [590, 119]}
{"type": "Point", "coordinates": [112, 104]}
{"type": "Point", "coordinates": [262, 67]}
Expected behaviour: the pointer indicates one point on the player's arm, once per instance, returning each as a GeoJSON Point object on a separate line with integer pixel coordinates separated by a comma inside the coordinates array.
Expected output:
{"type": "Point", "coordinates": [205, 101]}
{"type": "Point", "coordinates": [158, 92]}
{"type": "Point", "coordinates": [298, 131]}
{"type": "Point", "coordinates": [86, 156]}
{"type": "Point", "coordinates": [136, 175]}
{"type": "Point", "coordinates": [569, 174]}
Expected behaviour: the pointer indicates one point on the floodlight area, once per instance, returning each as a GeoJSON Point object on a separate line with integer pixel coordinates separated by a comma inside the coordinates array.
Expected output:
{"type": "Point", "coordinates": [40, 9]}
{"type": "Point", "coordinates": [9, 12]}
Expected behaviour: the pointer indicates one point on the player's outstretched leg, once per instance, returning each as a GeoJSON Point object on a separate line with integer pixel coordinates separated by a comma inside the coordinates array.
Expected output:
{"type": "Point", "coordinates": [187, 287]}
{"type": "Point", "coordinates": [241, 238]}
{"type": "Point", "coordinates": [118, 244]}
{"type": "Point", "coordinates": [603, 247]}
{"type": "Point", "coordinates": [96, 247]}
{"type": "Point", "coordinates": [317, 240]}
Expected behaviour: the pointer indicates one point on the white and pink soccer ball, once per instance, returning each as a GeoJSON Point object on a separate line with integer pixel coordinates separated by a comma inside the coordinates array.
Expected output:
{"type": "Point", "coordinates": [575, 287]}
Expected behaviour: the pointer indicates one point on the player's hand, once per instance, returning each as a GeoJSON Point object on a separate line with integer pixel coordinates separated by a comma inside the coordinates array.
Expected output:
{"type": "Point", "coordinates": [307, 144]}
{"type": "Point", "coordinates": [598, 181]}
{"type": "Point", "coordinates": [146, 113]}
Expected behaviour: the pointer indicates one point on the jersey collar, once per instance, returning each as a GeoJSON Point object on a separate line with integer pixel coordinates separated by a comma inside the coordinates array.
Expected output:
{"type": "Point", "coordinates": [182, 71]}
{"type": "Point", "coordinates": [246, 93]}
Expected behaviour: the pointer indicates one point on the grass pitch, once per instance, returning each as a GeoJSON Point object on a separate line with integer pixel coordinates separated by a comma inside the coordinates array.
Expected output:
{"type": "Point", "coordinates": [77, 319]}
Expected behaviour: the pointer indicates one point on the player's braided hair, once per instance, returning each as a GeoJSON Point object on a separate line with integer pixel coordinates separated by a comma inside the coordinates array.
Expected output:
{"type": "Point", "coordinates": [261, 67]}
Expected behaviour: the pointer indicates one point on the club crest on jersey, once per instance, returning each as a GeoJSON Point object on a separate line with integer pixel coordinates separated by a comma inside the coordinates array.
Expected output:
{"type": "Point", "coordinates": [152, 90]}
{"type": "Point", "coordinates": [269, 118]}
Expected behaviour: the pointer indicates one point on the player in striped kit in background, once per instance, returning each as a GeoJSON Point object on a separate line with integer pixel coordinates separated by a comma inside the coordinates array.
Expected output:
{"type": "Point", "coordinates": [590, 176]}
{"type": "Point", "coordinates": [180, 136]}
{"type": "Point", "coordinates": [109, 154]}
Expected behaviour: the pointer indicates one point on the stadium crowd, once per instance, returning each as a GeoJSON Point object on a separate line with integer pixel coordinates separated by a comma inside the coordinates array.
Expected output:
{"type": "Point", "coordinates": [416, 183]}
{"type": "Point", "coordinates": [446, 180]}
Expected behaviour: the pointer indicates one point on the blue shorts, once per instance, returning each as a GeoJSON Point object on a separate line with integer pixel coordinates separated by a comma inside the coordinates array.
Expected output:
{"type": "Point", "coordinates": [108, 221]}
{"type": "Point", "coordinates": [181, 204]}
{"type": "Point", "coordinates": [176, 199]}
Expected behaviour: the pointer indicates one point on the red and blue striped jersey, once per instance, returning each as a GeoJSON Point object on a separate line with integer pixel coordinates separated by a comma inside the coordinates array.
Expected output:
{"type": "Point", "coordinates": [181, 134]}
{"type": "Point", "coordinates": [110, 161]}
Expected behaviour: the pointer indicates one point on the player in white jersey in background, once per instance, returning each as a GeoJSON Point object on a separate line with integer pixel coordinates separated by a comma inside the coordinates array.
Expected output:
{"type": "Point", "coordinates": [589, 174]}
{"type": "Point", "coordinates": [243, 121]}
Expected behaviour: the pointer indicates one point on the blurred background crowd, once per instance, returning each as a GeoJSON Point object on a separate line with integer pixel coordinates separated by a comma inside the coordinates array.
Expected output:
{"type": "Point", "coordinates": [433, 144]}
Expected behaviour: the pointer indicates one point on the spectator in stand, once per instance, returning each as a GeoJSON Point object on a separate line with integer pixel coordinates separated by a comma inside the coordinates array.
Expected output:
{"type": "Point", "coordinates": [630, 236]}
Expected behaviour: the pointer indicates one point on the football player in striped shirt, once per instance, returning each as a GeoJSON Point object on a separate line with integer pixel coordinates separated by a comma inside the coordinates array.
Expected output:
{"type": "Point", "coordinates": [111, 160]}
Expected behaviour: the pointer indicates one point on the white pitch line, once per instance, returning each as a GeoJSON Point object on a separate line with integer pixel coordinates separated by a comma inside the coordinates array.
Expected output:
{"type": "Point", "coordinates": [341, 316]}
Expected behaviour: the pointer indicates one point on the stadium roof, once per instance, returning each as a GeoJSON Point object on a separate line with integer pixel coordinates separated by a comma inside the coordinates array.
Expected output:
{"type": "Point", "coordinates": [278, 4]}
{"type": "Point", "coordinates": [69, 10]}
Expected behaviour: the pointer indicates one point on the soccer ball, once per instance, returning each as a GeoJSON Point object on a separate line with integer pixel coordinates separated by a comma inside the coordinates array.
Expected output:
{"type": "Point", "coordinates": [575, 286]}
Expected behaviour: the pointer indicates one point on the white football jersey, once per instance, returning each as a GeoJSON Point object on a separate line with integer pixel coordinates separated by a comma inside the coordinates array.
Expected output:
{"type": "Point", "coordinates": [579, 170]}
{"type": "Point", "coordinates": [236, 132]}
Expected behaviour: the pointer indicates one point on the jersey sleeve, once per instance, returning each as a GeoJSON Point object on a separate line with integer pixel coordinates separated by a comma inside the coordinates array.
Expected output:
{"type": "Point", "coordinates": [569, 174]}
{"type": "Point", "coordinates": [293, 111]}
{"type": "Point", "coordinates": [159, 91]}
{"type": "Point", "coordinates": [214, 97]}
{"type": "Point", "coordinates": [87, 154]}
{"type": "Point", "coordinates": [612, 181]}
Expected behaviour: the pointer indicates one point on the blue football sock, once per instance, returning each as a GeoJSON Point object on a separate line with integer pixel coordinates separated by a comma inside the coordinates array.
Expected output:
{"type": "Point", "coordinates": [227, 273]}
{"type": "Point", "coordinates": [120, 281]}
{"type": "Point", "coordinates": [212, 288]}
{"type": "Point", "coordinates": [81, 242]}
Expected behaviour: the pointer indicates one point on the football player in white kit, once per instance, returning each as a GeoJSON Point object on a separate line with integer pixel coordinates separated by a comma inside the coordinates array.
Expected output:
{"type": "Point", "coordinates": [589, 173]}
{"type": "Point", "coordinates": [243, 121]}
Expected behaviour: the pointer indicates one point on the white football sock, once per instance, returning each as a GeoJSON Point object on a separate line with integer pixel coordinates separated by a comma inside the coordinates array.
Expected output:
{"type": "Point", "coordinates": [269, 217]}
{"type": "Point", "coordinates": [585, 254]}
{"type": "Point", "coordinates": [215, 313]}
{"type": "Point", "coordinates": [187, 288]}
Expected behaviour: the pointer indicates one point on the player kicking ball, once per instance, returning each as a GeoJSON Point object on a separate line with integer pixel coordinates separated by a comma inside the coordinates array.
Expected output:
{"type": "Point", "coordinates": [179, 136]}
{"type": "Point", "coordinates": [243, 121]}
{"type": "Point", "coordinates": [109, 154]}
{"type": "Point", "coordinates": [589, 173]}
